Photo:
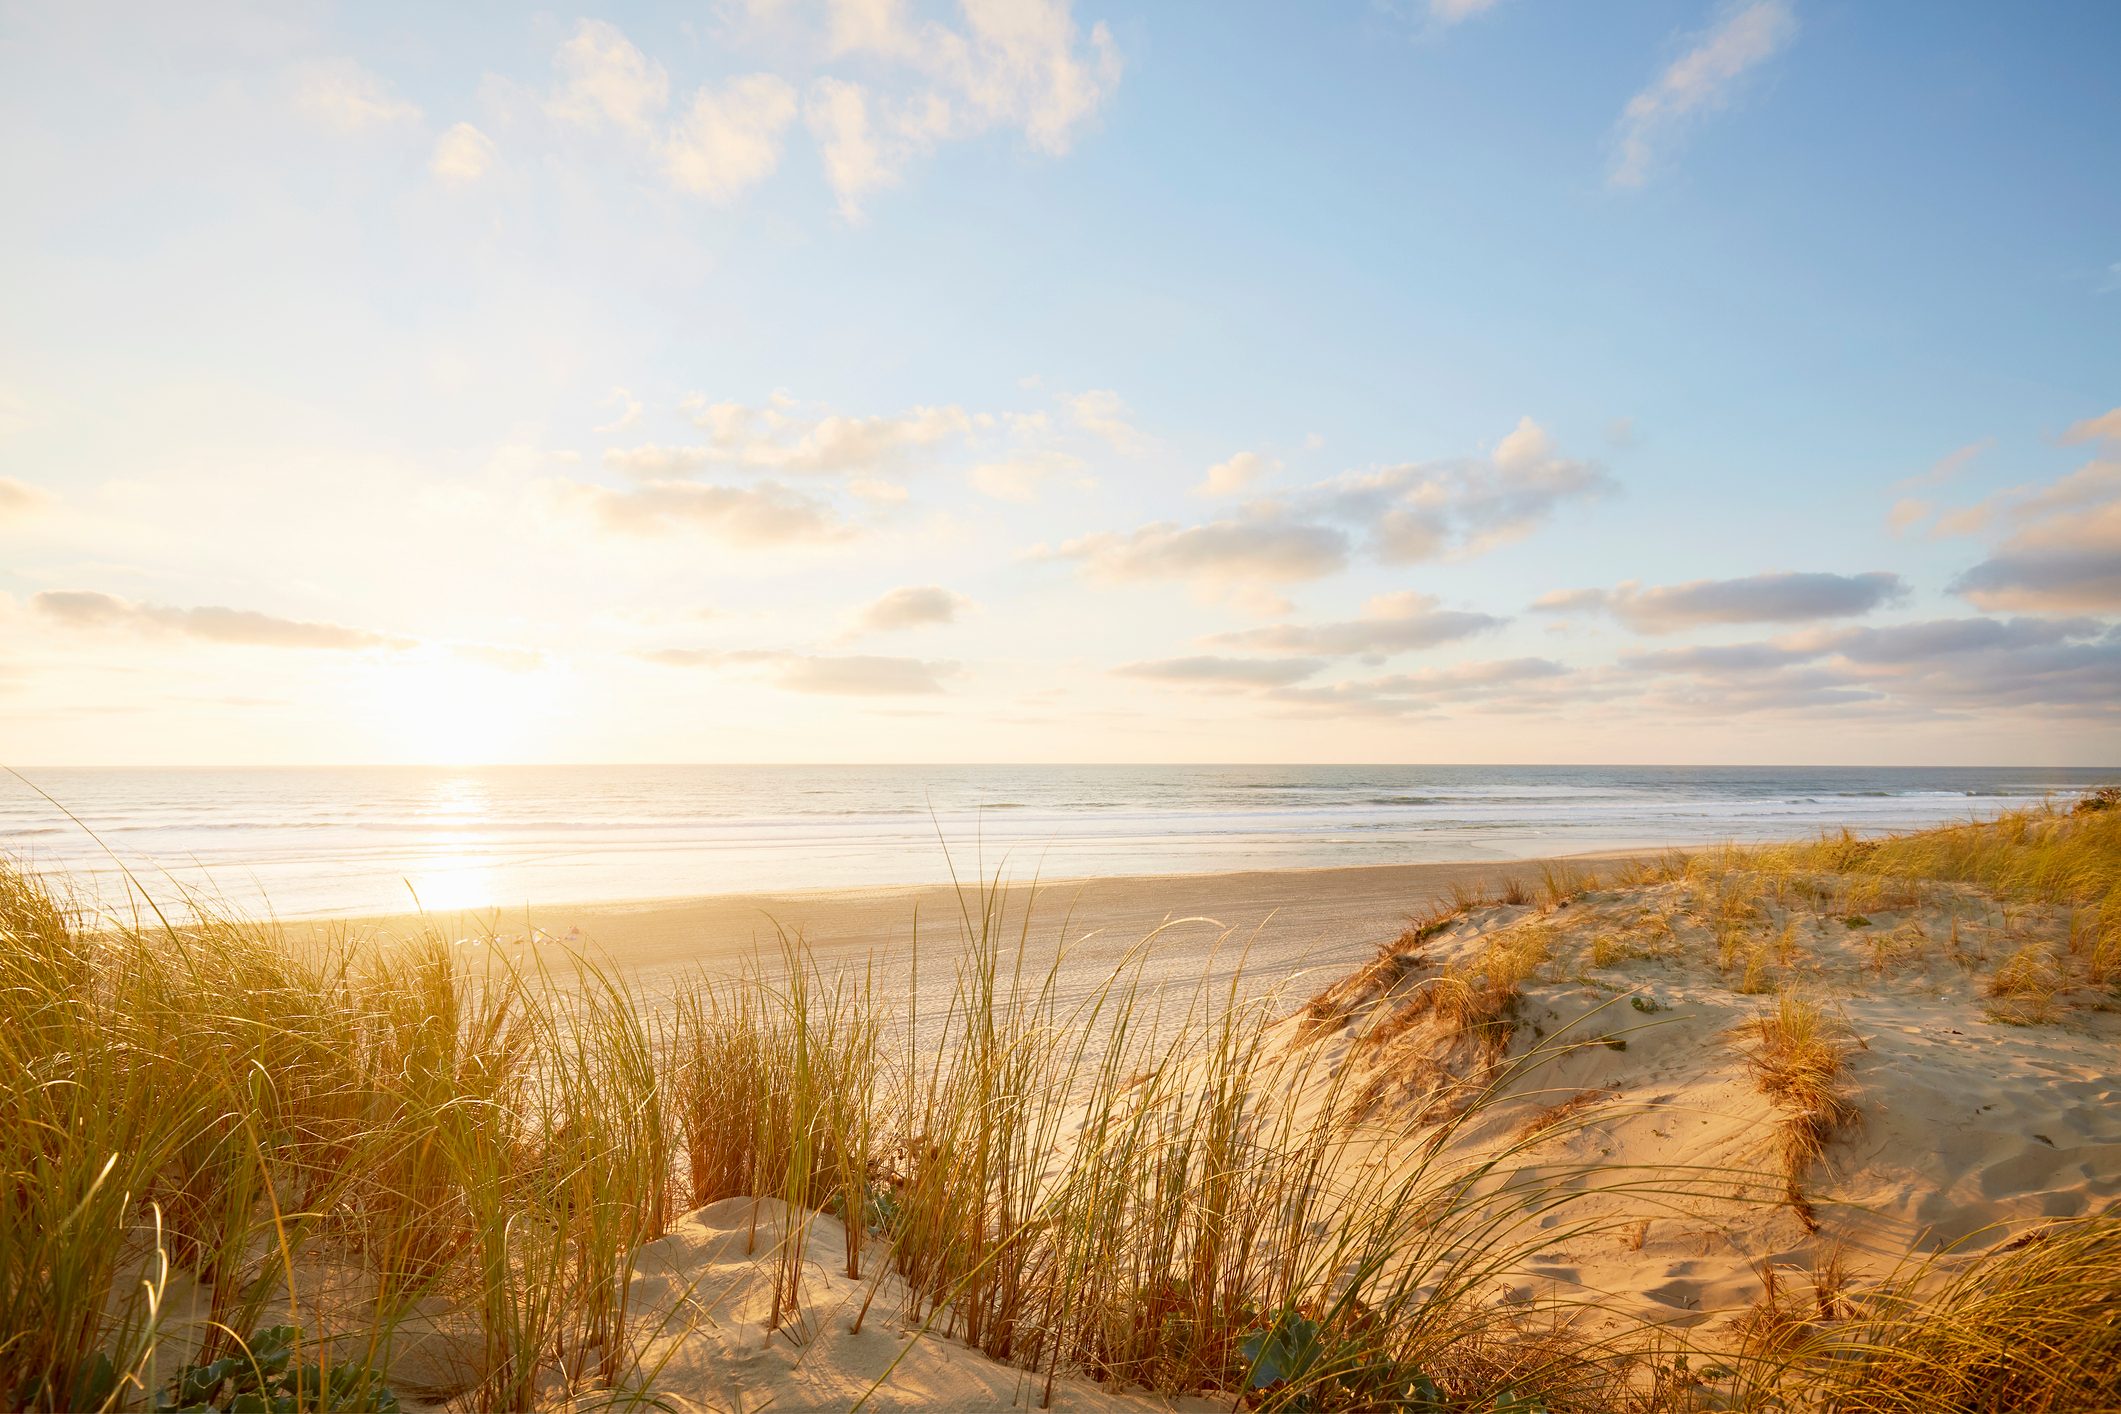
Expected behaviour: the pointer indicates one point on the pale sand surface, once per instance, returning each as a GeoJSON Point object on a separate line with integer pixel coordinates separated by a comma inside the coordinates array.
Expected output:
{"type": "Point", "coordinates": [1285, 927]}
{"type": "Point", "coordinates": [1964, 1130]}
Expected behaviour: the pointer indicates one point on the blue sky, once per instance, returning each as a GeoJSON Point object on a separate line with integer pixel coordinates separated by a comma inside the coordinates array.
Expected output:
{"type": "Point", "coordinates": [842, 381]}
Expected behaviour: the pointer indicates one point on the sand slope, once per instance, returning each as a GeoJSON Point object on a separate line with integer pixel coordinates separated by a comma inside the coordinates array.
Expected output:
{"type": "Point", "coordinates": [706, 1291]}
{"type": "Point", "coordinates": [1967, 1130]}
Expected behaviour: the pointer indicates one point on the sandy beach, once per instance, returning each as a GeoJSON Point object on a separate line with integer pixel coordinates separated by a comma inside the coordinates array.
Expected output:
{"type": "Point", "coordinates": [1274, 927]}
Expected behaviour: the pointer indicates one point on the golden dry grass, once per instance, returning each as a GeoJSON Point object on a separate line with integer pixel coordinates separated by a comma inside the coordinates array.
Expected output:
{"type": "Point", "coordinates": [1041, 1173]}
{"type": "Point", "coordinates": [1797, 1054]}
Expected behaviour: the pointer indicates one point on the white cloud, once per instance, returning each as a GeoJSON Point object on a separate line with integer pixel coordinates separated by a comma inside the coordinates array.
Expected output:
{"type": "Point", "coordinates": [863, 675]}
{"type": "Point", "coordinates": [783, 435]}
{"type": "Point", "coordinates": [914, 606]}
{"type": "Point", "coordinates": [1239, 473]}
{"type": "Point", "coordinates": [1939, 665]}
{"type": "Point", "coordinates": [1019, 477]}
{"type": "Point", "coordinates": [1413, 512]}
{"type": "Point", "coordinates": [607, 80]}
{"type": "Point", "coordinates": [1760, 598]}
{"type": "Point", "coordinates": [1218, 555]}
{"type": "Point", "coordinates": [462, 155]}
{"type": "Point", "coordinates": [629, 410]}
{"type": "Point", "coordinates": [654, 459]}
{"type": "Point", "coordinates": [837, 114]}
{"type": "Point", "coordinates": [831, 675]}
{"type": "Point", "coordinates": [1947, 466]}
{"type": "Point", "coordinates": [2106, 427]}
{"type": "Point", "coordinates": [730, 141]}
{"type": "Point", "coordinates": [722, 142]}
{"type": "Point", "coordinates": [1906, 513]}
{"type": "Point", "coordinates": [1391, 623]}
{"type": "Point", "coordinates": [1698, 81]}
{"type": "Point", "coordinates": [1432, 510]}
{"type": "Point", "coordinates": [2065, 557]}
{"type": "Point", "coordinates": [82, 608]}
{"type": "Point", "coordinates": [19, 500]}
{"type": "Point", "coordinates": [765, 514]}
{"type": "Point", "coordinates": [1016, 63]}
{"type": "Point", "coordinates": [1104, 412]}
{"type": "Point", "coordinates": [343, 96]}
{"type": "Point", "coordinates": [1210, 672]}
{"type": "Point", "coordinates": [1500, 684]}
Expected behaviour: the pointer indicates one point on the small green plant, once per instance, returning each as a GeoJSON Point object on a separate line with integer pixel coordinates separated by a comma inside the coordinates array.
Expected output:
{"type": "Point", "coordinates": [1301, 1365]}
{"type": "Point", "coordinates": [263, 1378]}
{"type": "Point", "coordinates": [1855, 920]}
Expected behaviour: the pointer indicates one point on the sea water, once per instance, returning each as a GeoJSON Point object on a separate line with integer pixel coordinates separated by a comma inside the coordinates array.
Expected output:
{"type": "Point", "coordinates": [321, 841]}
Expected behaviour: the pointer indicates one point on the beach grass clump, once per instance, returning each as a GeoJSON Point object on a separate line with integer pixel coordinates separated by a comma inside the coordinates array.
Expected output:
{"type": "Point", "coordinates": [1798, 1055]}
{"type": "Point", "coordinates": [2023, 989]}
{"type": "Point", "coordinates": [2034, 1325]}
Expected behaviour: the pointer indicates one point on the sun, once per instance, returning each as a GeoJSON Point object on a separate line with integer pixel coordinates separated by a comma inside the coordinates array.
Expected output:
{"type": "Point", "coordinates": [437, 707]}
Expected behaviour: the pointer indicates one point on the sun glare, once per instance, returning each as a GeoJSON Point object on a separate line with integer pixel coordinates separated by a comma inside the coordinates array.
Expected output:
{"type": "Point", "coordinates": [453, 869]}
{"type": "Point", "coordinates": [435, 708]}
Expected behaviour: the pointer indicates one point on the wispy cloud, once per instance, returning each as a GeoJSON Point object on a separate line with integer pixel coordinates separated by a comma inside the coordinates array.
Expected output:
{"type": "Point", "coordinates": [1025, 65]}
{"type": "Point", "coordinates": [914, 606]}
{"type": "Point", "coordinates": [1238, 474]}
{"type": "Point", "coordinates": [1496, 684]}
{"type": "Point", "coordinates": [1391, 623]}
{"type": "Point", "coordinates": [1105, 414]}
{"type": "Point", "coordinates": [728, 140]}
{"type": "Point", "coordinates": [341, 95]}
{"type": "Point", "coordinates": [1020, 476]}
{"type": "Point", "coordinates": [1938, 665]}
{"type": "Point", "coordinates": [767, 513]}
{"type": "Point", "coordinates": [88, 609]}
{"type": "Point", "coordinates": [461, 155]}
{"type": "Point", "coordinates": [1414, 512]}
{"type": "Point", "coordinates": [829, 675]}
{"type": "Point", "coordinates": [627, 411]}
{"type": "Point", "coordinates": [1699, 81]}
{"type": "Point", "coordinates": [606, 80]}
{"type": "Point", "coordinates": [2069, 562]}
{"type": "Point", "coordinates": [1948, 466]}
{"type": "Point", "coordinates": [1264, 547]}
{"type": "Point", "coordinates": [1757, 599]}
{"type": "Point", "coordinates": [722, 142]}
{"type": "Point", "coordinates": [19, 500]}
{"type": "Point", "coordinates": [1453, 509]}
{"type": "Point", "coordinates": [787, 436]}
{"type": "Point", "coordinates": [1206, 671]}
{"type": "Point", "coordinates": [2106, 427]}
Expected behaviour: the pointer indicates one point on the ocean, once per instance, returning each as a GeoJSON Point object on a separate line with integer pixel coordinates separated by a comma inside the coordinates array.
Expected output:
{"type": "Point", "coordinates": [346, 840]}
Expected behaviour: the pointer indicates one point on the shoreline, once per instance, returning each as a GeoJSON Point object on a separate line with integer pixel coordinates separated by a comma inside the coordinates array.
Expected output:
{"type": "Point", "coordinates": [1264, 928]}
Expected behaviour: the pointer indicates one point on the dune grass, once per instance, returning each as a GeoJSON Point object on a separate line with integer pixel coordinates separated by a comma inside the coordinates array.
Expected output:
{"type": "Point", "coordinates": [1798, 1055]}
{"type": "Point", "coordinates": [207, 1112]}
{"type": "Point", "coordinates": [209, 1134]}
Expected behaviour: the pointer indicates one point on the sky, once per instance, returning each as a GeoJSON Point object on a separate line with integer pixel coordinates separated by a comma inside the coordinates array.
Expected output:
{"type": "Point", "coordinates": [1027, 380]}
